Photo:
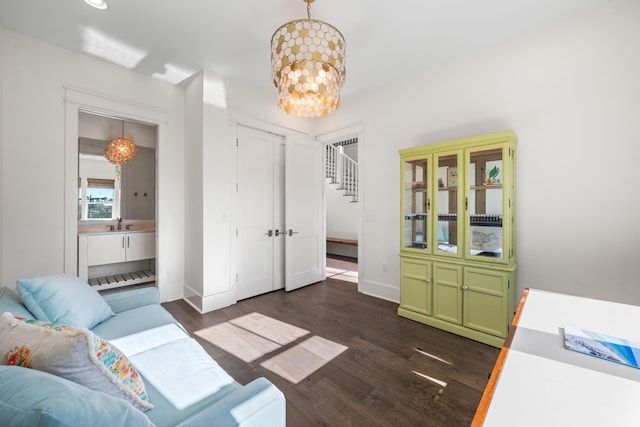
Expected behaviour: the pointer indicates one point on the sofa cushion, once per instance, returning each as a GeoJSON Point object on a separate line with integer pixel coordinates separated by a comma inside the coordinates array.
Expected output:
{"type": "Point", "coordinates": [256, 404]}
{"type": "Point", "coordinates": [135, 320]}
{"type": "Point", "coordinates": [75, 354]}
{"type": "Point", "coordinates": [120, 301]}
{"type": "Point", "coordinates": [183, 384]}
{"type": "Point", "coordinates": [10, 302]}
{"type": "Point", "coordinates": [63, 299]}
{"type": "Point", "coordinates": [35, 398]}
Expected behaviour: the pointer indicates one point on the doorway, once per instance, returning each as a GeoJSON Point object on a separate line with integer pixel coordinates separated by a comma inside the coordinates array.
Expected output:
{"type": "Point", "coordinates": [344, 251]}
{"type": "Point", "coordinates": [77, 101]}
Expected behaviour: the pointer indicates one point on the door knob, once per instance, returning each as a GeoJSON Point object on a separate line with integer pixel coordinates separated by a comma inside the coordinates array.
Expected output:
{"type": "Point", "coordinates": [269, 233]}
{"type": "Point", "coordinates": [465, 288]}
{"type": "Point", "coordinates": [291, 232]}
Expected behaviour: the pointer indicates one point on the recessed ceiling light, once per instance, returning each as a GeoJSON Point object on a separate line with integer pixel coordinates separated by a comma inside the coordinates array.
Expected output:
{"type": "Point", "coordinates": [98, 4]}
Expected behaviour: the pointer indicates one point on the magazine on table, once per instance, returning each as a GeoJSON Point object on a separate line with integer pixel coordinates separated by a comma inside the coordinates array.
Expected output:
{"type": "Point", "coordinates": [606, 347]}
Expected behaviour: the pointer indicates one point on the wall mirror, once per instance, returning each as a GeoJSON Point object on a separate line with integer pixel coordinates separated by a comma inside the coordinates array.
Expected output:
{"type": "Point", "coordinates": [107, 191]}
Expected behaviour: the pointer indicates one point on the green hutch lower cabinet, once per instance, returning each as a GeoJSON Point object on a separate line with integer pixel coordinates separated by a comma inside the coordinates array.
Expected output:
{"type": "Point", "coordinates": [457, 237]}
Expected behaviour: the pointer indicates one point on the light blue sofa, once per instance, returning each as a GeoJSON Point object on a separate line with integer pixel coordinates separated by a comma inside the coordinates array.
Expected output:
{"type": "Point", "coordinates": [32, 397]}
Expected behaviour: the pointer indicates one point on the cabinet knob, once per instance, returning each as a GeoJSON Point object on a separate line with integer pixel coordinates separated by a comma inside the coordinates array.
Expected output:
{"type": "Point", "coordinates": [465, 288]}
{"type": "Point", "coordinates": [428, 280]}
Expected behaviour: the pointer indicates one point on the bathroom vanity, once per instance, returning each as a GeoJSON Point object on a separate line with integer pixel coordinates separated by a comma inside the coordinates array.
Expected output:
{"type": "Point", "coordinates": [113, 259]}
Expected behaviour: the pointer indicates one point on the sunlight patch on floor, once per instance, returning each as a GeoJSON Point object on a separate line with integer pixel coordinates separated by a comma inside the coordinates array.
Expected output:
{"type": "Point", "coordinates": [243, 344]}
{"type": "Point", "coordinates": [253, 336]}
{"type": "Point", "coordinates": [424, 353]}
{"type": "Point", "coordinates": [341, 269]}
{"type": "Point", "coordinates": [436, 381]}
{"type": "Point", "coordinates": [433, 380]}
{"type": "Point", "coordinates": [332, 271]}
{"type": "Point", "coordinates": [269, 328]}
{"type": "Point", "coordinates": [302, 360]}
{"type": "Point", "coordinates": [347, 276]}
{"type": "Point", "coordinates": [342, 274]}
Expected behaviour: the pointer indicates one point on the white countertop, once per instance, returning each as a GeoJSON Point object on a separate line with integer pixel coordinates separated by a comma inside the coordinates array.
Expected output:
{"type": "Point", "coordinates": [94, 232]}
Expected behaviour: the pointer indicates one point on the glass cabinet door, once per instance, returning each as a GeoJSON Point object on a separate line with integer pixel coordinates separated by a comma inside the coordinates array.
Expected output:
{"type": "Point", "coordinates": [485, 203]}
{"type": "Point", "coordinates": [415, 203]}
{"type": "Point", "coordinates": [447, 203]}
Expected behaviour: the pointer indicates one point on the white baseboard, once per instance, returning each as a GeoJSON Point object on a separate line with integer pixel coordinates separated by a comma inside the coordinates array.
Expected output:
{"type": "Point", "coordinates": [379, 290]}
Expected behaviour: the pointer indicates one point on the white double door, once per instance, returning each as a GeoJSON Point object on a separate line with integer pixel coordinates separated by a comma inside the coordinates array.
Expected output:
{"type": "Point", "coordinates": [280, 213]}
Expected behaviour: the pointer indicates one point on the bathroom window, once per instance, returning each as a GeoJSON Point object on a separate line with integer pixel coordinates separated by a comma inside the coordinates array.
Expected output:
{"type": "Point", "coordinates": [97, 202]}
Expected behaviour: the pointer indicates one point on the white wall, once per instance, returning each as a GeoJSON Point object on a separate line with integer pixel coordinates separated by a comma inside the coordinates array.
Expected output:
{"type": "Point", "coordinates": [571, 92]}
{"type": "Point", "coordinates": [216, 148]}
{"type": "Point", "coordinates": [33, 80]}
{"type": "Point", "coordinates": [193, 191]}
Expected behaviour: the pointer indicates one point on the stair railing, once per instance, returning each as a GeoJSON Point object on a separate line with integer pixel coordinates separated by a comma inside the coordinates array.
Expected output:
{"type": "Point", "coordinates": [342, 170]}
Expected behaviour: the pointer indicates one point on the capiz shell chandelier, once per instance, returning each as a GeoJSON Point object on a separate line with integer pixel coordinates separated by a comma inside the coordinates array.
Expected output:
{"type": "Point", "coordinates": [120, 150]}
{"type": "Point", "coordinates": [307, 66]}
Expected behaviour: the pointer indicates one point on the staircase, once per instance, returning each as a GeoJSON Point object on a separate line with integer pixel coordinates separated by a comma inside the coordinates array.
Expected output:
{"type": "Point", "coordinates": [342, 171]}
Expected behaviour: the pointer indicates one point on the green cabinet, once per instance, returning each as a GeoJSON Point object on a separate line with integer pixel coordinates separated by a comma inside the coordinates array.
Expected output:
{"type": "Point", "coordinates": [457, 249]}
{"type": "Point", "coordinates": [447, 283]}
{"type": "Point", "coordinates": [416, 292]}
{"type": "Point", "coordinates": [486, 302]}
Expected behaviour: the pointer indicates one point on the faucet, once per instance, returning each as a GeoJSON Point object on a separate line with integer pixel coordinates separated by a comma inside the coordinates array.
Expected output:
{"type": "Point", "coordinates": [119, 223]}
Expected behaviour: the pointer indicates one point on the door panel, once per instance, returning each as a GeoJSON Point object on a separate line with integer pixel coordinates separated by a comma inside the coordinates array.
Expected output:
{"type": "Point", "coordinates": [141, 246]}
{"type": "Point", "coordinates": [304, 209]}
{"type": "Point", "coordinates": [486, 301]}
{"type": "Point", "coordinates": [279, 223]}
{"type": "Point", "coordinates": [447, 292]}
{"type": "Point", "coordinates": [105, 249]}
{"type": "Point", "coordinates": [255, 178]}
{"type": "Point", "coordinates": [415, 289]}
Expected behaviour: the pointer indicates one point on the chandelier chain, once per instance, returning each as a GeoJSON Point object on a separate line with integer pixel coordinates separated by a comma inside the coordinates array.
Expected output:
{"type": "Point", "coordinates": [309, 9]}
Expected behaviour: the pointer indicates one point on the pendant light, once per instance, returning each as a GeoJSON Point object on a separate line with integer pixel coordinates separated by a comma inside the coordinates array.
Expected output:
{"type": "Point", "coordinates": [120, 150]}
{"type": "Point", "coordinates": [308, 66]}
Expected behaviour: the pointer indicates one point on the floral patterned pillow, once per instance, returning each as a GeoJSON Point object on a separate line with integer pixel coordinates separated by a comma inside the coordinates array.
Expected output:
{"type": "Point", "coordinates": [75, 354]}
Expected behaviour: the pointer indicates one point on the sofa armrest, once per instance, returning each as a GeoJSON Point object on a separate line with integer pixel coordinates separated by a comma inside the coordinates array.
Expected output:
{"type": "Point", "coordinates": [257, 404]}
{"type": "Point", "coordinates": [127, 300]}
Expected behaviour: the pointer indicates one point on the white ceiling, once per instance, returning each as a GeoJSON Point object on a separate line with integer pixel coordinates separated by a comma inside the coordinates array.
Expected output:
{"type": "Point", "coordinates": [385, 39]}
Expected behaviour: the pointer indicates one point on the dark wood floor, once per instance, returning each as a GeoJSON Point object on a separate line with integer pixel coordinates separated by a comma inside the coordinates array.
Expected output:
{"type": "Point", "coordinates": [373, 383]}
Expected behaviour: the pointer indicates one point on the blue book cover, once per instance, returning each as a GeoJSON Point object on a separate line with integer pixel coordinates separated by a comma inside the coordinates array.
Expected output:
{"type": "Point", "coordinates": [606, 347]}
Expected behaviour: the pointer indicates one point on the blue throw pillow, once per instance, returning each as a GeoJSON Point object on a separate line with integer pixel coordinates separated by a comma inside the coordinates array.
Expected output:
{"type": "Point", "coordinates": [34, 398]}
{"type": "Point", "coordinates": [10, 302]}
{"type": "Point", "coordinates": [64, 299]}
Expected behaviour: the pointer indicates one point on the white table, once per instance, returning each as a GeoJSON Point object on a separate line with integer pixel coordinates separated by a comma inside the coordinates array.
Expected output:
{"type": "Point", "coordinates": [538, 382]}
